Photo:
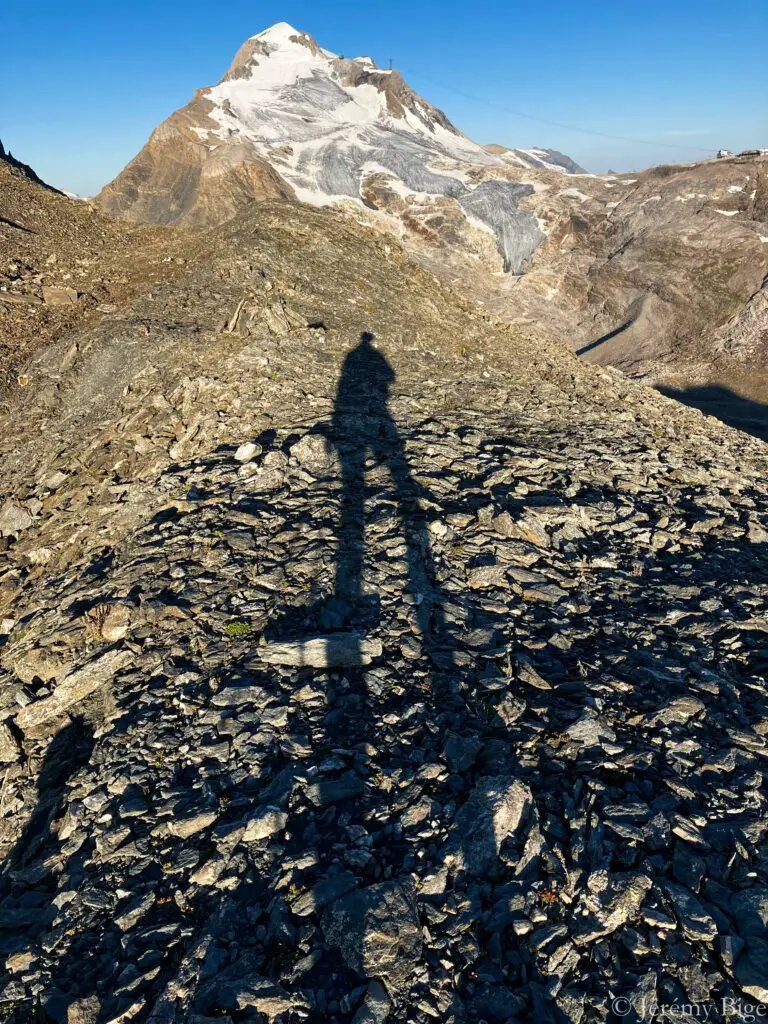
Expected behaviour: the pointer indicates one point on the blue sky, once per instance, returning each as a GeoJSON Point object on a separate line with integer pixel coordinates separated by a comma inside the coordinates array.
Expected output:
{"type": "Point", "coordinates": [84, 83]}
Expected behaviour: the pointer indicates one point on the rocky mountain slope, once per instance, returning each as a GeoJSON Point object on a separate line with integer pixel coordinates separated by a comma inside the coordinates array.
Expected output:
{"type": "Point", "coordinates": [662, 273]}
{"type": "Point", "coordinates": [20, 169]}
{"type": "Point", "coordinates": [62, 262]}
{"type": "Point", "coordinates": [366, 658]}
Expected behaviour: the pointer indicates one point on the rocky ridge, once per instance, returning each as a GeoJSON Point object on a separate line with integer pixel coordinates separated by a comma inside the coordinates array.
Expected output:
{"type": "Point", "coordinates": [62, 262]}
{"type": "Point", "coordinates": [407, 677]}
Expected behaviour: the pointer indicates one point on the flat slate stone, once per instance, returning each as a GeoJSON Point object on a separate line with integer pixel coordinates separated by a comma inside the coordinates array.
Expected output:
{"type": "Point", "coordinates": [336, 650]}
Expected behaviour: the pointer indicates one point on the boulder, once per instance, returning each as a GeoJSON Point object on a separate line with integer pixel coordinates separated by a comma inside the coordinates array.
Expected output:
{"type": "Point", "coordinates": [494, 810]}
{"type": "Point", "coordinates": [377, 932]}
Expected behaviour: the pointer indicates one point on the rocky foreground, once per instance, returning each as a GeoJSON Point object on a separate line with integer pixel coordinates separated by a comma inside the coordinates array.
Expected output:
{"type": "Point", "coordinates": [411, 678]}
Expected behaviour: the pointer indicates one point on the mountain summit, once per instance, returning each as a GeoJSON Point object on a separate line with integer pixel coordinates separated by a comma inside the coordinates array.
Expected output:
{"type": "Point", "coordinates": [290, 119]}
{"type": "Point", "coordinates": [293, 77]}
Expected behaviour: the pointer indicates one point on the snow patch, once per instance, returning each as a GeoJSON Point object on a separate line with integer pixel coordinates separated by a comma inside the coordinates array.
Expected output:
{"type": "Point", "coordinates": [541, 157]}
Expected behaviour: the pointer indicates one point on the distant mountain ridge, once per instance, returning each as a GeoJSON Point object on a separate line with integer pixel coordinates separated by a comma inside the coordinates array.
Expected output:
{"type": "Point", "coordinates": [546, 159]}
{"type": "Point", "coordinates": [21, 169]}
{"type": "Point", "coordinates": [662, 273]}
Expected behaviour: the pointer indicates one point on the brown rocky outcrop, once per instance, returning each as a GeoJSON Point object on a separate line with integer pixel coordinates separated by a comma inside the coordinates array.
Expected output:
{"type": "Point", "coordinates": [177, 178]}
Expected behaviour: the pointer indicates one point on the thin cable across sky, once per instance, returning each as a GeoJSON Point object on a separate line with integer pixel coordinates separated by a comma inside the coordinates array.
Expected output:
{"type": "Point", "coordinates": [544, 120]}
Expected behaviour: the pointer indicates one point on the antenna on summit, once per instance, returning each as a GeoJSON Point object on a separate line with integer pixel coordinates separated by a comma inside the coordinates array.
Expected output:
{"type": "Point", "coordinates": [390, 63]}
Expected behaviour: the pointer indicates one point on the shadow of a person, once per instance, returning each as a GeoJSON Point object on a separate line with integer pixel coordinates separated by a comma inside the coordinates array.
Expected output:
{"type": "Point", "coordinates": [31, 861]}
{"type": "Point", "coordinates": [362, 424]}
{"type": "Point", "coordinates": [362, 431]}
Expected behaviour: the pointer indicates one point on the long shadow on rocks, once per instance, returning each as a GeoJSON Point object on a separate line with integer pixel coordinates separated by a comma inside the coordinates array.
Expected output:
{"type": "Point", "coordinates": [32, 868]}
{"type": "Point", "coordinates": [373, 922]}
{"type": "Point", "coordinates": [726, 404]}
{"type": "Point", "coordinates": [548, 791]}
{"type": "Point", "coordinates": [346, 834]}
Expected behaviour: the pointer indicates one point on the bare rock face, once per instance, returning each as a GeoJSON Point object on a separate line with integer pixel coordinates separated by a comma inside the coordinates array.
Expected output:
{"type": "Point", "coordinates": [377, 931]}
{"type": "Point", "coordinates": [177, 179]}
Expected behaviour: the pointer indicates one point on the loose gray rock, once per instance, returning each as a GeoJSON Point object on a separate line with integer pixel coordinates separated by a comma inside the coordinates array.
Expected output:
{"type": "Point", "coordinates": [751, 970]}
{"type": "Point", "coordinates": [73, 689]}
{"type": "Point", "coordinates": [377, 931]}
{"type": "Point", "coordinates": [246, 452]}
{"type": "Point", "coordinates": [192, 824]}
{"type": "Point", "coordinates": [59, 295]}
{"type": "Point", "coordinates": [10, 751]}
{"type": "Point", "coordinates": [264, 823]}
{"type": "Point", "coordinates": [13, 519]}
{"type": "Point", "coordinates": [375, 1006]}
{"type": "Point", "coordinates": [590, 730]}
{"type": "Point", "coordinates": [611, 902]}
{"type": "Point", "coordinates": [322, 893]}
{"type": "Point", "coordinates": [750, 911]}
{"type": "Point", "coordinates": [696, 923]}
{"type": "Point", "coordinates": [336, 650]}
{"type": "Point", "coordinates": [313, 453]}
{"type": "Point", "coordinates": [679, 711]}
{"type": "Point", "coordinates": [494, 811]}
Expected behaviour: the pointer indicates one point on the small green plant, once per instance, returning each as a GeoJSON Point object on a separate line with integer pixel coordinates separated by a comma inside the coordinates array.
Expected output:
{"type": "Point", "coordinates": [549, 896]}
{"type": "Point", "coordinates": [237, 628]}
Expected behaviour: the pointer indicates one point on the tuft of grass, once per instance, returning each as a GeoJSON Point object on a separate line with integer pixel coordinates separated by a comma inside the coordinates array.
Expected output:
{"type": "Point", "coordinates": [237, 628]}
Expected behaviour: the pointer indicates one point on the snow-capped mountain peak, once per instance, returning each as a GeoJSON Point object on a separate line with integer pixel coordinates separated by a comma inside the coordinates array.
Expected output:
{"type": "Point", "coordinates": [282, 74]}
{"type": "Point", "coordinates": [328, 129]}
{"type": "Point", "coordinates": [280, 34]}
